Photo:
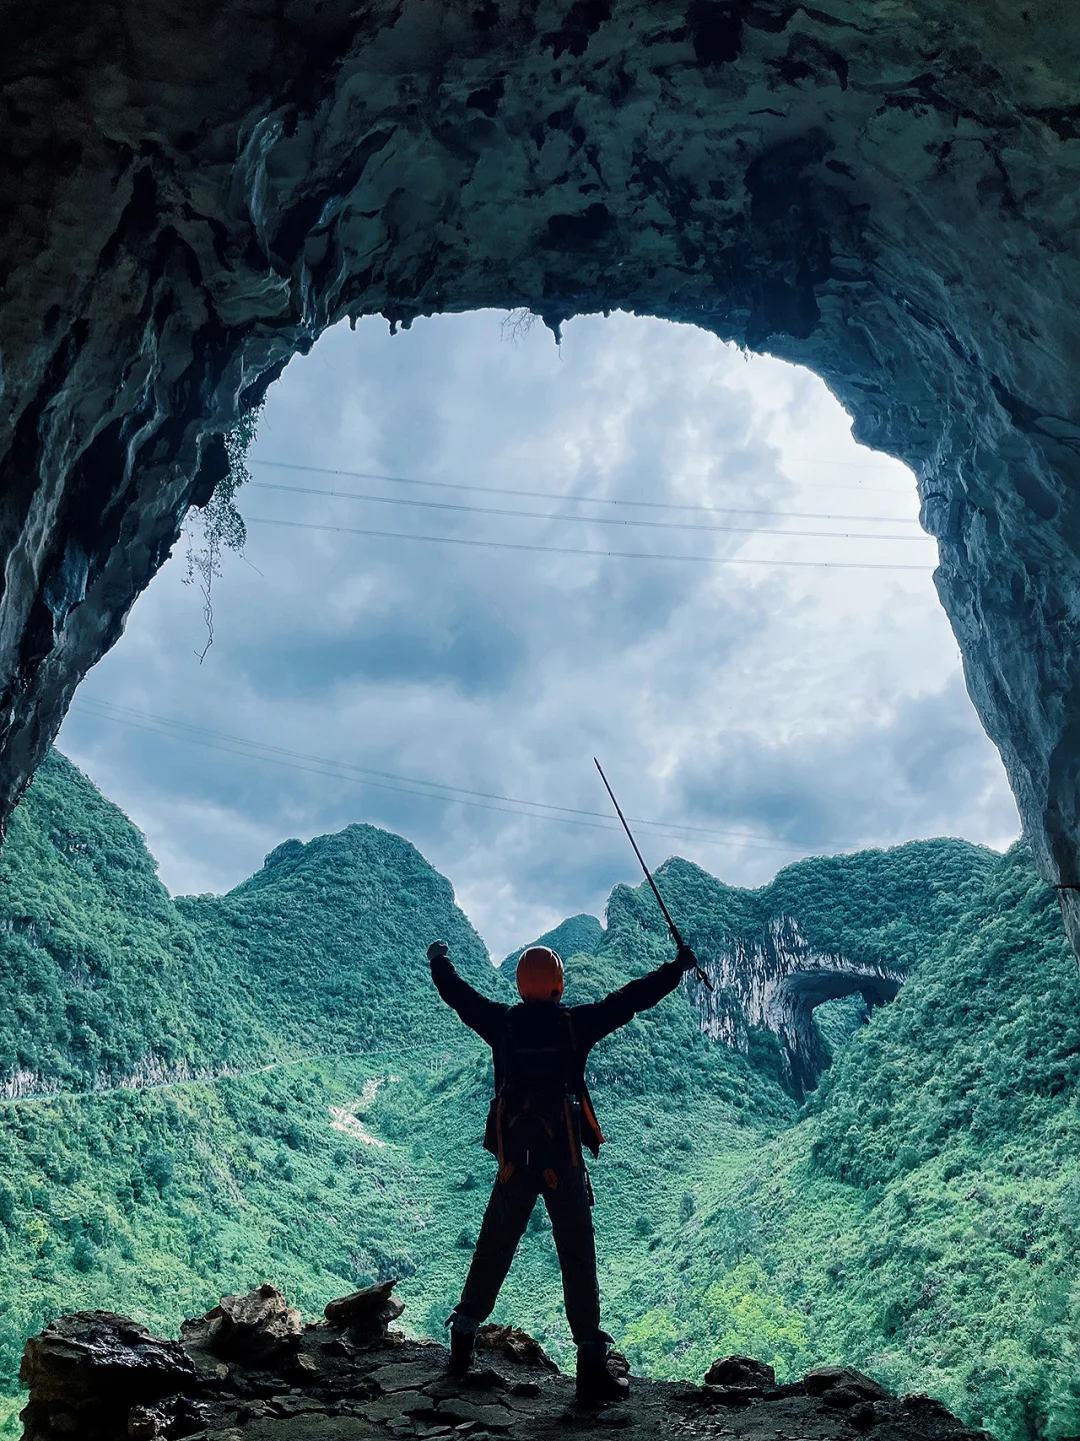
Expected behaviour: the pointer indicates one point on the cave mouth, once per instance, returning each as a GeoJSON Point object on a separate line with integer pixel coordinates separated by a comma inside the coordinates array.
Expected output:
{"type": "Point", "coordinates": [876, 201]}
{"type": "Point", "coordinates": [445, 658]}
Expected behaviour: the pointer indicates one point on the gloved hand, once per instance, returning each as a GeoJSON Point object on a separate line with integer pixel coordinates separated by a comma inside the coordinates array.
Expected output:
{"type": "Point", "coordinates": [438, 951]}
{"type": "Point", "coordinates": [685, 958]}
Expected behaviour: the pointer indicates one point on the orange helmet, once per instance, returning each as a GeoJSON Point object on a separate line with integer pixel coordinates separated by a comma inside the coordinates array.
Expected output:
{"type": "Point", "coordinates": [540, 974]}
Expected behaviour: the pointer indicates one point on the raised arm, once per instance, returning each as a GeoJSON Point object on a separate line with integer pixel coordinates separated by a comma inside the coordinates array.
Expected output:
{"type": "Point", "coordinates": [483, 1016]}
{"type": "Point", "coordinates": [593, 1022]}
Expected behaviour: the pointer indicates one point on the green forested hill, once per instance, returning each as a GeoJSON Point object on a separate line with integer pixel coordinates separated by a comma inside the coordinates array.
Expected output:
{"type": "Point", "coordinates": [888, 905]}
{"type": "Point", "coordinates": [100, 977]}
{"type": "Point", "coordinates": [106, 979]}
{"type": "Point", "coordinates": [923, 1219]}
{"type": "Point", "coordinates": [920, 1217]}
{"type": "Point", "coordinates": [331, 937]}
{"type": "Point", "coordinates": [576, 936]}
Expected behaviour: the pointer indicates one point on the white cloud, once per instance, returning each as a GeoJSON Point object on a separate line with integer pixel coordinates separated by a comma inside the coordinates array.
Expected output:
{"type": "Point", "coordinates": [798, 706]}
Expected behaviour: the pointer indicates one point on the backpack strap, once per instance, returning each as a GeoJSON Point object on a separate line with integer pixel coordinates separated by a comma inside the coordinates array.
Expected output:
{"type": "Point", "coordinates": [571, 1129]}
{"type": "Point", "coordinates": [571, 1133]}
{"type": "Point", "coordinates": [586, 1103]}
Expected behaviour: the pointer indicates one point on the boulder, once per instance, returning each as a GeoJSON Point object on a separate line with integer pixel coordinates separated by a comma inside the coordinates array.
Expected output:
{"type": "Point", "coordinates": [364, 1315]}
{"type": "Point", "coordinates": [841, 1386]}
{"type": "Point", "coordinates": [618, 1365]}
{"type": "Point", "coordinates": [740, 1371]}
{"type": "Point", "coordinates": [86, 1372]}
{"type": "Point", "coordinates": [515, 1345]}
{"type": "Point", "coordinates": [258, 1329]}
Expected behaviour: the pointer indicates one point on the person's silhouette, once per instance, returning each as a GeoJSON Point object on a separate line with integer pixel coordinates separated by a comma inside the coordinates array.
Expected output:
{"type": "Point", "coordinates": [540, 1119]}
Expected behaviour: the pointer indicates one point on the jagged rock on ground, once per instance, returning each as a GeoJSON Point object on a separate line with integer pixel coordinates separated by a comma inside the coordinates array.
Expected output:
{"type": "Point", "coordinates": [257, 1328]}
{"type": "Point", "coordinates": [364, 1315]}
{"type": "Point", "coordinates": [99, 1377]}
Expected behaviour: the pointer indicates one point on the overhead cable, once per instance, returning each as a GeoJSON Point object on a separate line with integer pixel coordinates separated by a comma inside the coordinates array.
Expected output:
{"type": "Point", "coordinates": [597, 519]}
{"type": "Point", "coordinates": [577, 550]}
{"type": "Point", "coordinates": [459, 795]}
{"type": "Point", "coordinates": [550, 494]}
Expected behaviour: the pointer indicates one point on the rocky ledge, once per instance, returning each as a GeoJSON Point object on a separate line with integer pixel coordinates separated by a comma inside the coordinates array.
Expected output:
{"type": "Point", "coordinates": [251, 1371]}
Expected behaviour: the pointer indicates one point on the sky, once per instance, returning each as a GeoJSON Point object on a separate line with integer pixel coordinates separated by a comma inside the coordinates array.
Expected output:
{"type": "Point", "coordinates": [641, 545]}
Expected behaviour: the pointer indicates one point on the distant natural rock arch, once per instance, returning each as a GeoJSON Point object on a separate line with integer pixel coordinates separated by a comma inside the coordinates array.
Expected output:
{"type": "Point", "coordinates": [886, 194]}
{"type": "Point", "coordinates": [777, 982]}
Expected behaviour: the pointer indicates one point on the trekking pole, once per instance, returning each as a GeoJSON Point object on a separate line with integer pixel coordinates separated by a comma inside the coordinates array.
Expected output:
{"type": "Point", "coordinates": [676, 937]}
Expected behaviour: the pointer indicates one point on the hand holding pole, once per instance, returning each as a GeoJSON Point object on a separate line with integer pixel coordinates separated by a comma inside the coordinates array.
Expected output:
{"type": "Point", "coordinates": [676, 937]}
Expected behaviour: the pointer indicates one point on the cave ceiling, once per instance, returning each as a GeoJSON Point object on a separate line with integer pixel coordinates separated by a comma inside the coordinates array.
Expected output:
{"type": "Point", "coordinates": [886, 191]}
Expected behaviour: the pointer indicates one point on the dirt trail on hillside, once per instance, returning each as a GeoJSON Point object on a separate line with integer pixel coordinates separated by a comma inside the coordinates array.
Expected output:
{"type": "Point", "coordinates": [346, 1119]}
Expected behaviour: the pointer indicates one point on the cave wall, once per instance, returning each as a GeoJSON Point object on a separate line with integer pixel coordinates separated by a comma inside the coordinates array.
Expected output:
{"type": "Point", "coordinates": [886, 191]}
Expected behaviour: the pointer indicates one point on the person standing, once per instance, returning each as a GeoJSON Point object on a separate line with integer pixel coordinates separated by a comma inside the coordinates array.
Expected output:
{"type": "Point", "coordinates": [540, 1120]}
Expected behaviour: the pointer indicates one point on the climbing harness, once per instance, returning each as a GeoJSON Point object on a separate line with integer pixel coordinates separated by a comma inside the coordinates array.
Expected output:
{"type": "Point", "coordinates": [535, 1102]}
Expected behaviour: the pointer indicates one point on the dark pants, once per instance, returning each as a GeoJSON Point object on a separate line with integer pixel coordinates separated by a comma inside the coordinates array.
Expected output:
{"type": "Point", "coordinates": [507, 1215]}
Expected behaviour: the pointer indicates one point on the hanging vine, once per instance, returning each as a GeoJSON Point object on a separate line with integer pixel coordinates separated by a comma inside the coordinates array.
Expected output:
{"type": "Point", "coordinates": [218, 526]}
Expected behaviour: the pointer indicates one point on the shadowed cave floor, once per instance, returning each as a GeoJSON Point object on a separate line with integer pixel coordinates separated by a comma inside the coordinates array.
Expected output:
{"type": "Point", "coordinates": [99, 1377]}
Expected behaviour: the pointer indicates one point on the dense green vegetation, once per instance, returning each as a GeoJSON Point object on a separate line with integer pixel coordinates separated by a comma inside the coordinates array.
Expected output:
{"type": "Point", "coordinates": [892, 906]}
{"type": "Point", "coordinates": [920, 1217]}
{"type": "Point", "coordinates": [105, 978]}
{"type": "Point", "coordinates": [101, 979]}
{"type": "Point", "coordinates": [576, 936]}
{"type": "Point", "coordinates": [331, 937]}
{"type": "Point", "coordinates": [923, 1219]}
{"type": "Point", "coordinates": [319, 1176]}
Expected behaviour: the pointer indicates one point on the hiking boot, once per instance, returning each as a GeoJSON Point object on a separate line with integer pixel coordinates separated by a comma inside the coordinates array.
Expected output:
{"type": "Point", "coordinates": [596, 1382]}
{"type": "Point", "coordinates": [461, 1350]}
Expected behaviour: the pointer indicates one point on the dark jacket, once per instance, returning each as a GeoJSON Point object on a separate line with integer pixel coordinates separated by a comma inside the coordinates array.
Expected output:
{"type": "Point", "coordinates": [578, 1028]}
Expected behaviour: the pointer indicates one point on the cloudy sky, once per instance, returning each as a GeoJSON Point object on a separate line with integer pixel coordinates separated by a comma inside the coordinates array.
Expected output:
{"type": "Point", "coordinates": [624, 555]}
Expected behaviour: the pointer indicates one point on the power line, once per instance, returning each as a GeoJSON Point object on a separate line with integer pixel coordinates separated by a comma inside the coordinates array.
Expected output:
{"type": "Point", "coordinates": [144, 720]}
{"type": "Point", "coordinates": [576, 550]}
{"type": "Point", "coordinates": [460, 795]}
{"type": "Point", "coordinates": [547, 494]}
{"type": "Point", "coordinates": [608, 519]}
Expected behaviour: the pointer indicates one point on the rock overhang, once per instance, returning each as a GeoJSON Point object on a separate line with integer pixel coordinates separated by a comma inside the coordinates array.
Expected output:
{"type": "Point", "coordinates": [887, 196]}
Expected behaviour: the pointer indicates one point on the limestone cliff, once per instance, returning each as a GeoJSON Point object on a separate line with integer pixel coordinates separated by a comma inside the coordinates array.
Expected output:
{"type": "Point", "coordinates": [823, 928]}
{"type": "Point", "coordinates": [776, 982]}
{"type": "Point", "coordinates": [884, 190]}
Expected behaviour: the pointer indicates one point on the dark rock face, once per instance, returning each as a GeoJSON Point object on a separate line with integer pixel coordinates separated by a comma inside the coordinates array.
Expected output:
{"type": "Point", "coordinates": [739, 1371]}
{"type": "Point", "coordinates": [776, 982]}
{"type": "Point", "coordinates": [88, 1372]}
{"type": "Point", "coordinates": [395, 1387]}
{"type": "Point", "coordinates": [886, 194]}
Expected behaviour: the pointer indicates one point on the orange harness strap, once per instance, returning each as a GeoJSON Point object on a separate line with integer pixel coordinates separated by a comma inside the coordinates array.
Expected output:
{"type": "Point", "coordinates": [586, 1106]}
{"type": "Point", "coordinates": [506, 1168]}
